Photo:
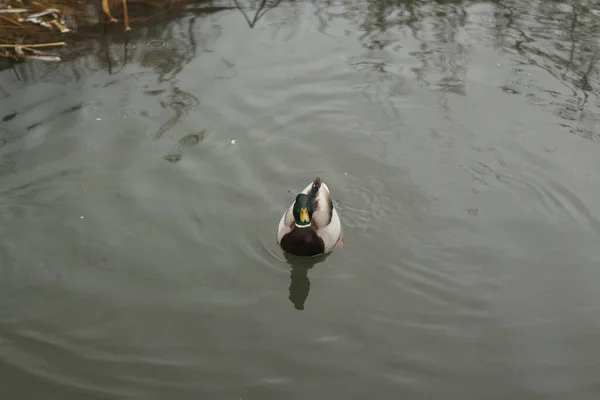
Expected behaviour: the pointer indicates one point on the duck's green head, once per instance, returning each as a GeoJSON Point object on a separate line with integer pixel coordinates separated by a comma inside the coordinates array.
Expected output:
{"type": "Point", "coordinates": [303, 210]}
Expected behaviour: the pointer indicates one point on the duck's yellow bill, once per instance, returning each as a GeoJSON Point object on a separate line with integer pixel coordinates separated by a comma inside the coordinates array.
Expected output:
{"type": "Point", "coordinates": [304, 218]}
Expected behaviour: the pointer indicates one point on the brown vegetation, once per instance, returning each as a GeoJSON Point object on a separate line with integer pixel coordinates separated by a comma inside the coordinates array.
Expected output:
{"type": "Point", "coordinates": [31, 28]}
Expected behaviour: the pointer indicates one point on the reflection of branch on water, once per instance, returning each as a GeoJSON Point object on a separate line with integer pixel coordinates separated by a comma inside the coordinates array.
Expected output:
{"type": "Point", "coordinates": [106, 45]}
{"type": "Point", "coordinates": [181, 102]}
{"type": "Point", "coordinates": [573, 40]}
{"type": "Point", "coordinates": [261, 8]}
{"type": "Point", "coordinates": [168, 56]}
{"type": "Point", "coordinates": [560, 38]}
{"type": "Point", "coordinates": [556, 36]}
{"type": "Point", "coordinates": [442, 55]}
{"type": "Point", "coordinates": [12, 65]}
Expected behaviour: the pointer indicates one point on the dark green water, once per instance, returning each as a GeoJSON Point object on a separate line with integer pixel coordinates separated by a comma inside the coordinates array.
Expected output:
{"type": "Point", "coordinates": [461, 143]}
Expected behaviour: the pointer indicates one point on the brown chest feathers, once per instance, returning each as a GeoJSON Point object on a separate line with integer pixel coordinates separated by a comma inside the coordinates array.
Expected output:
{"type": "Point", "coordinates": [303, 242]}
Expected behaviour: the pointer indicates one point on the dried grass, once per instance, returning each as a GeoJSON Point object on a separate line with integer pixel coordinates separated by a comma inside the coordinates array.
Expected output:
{"type": "Point", "coordinates": [30, 28]}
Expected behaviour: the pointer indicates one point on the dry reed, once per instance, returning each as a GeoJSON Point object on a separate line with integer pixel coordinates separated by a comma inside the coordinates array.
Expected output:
{"type": "Point", "coordinates": [29, 28]}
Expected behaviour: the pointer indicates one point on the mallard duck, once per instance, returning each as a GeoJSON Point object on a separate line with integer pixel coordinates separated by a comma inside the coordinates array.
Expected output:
{"type": "Point", "coordinates": [311, 225]}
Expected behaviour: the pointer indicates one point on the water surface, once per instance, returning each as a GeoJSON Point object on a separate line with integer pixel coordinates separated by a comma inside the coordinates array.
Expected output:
{"type": "Point", "coordinates": [141, 186]}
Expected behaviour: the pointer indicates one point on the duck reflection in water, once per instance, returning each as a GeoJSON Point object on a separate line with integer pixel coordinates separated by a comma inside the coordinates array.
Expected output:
{"type": "Point", "coordinates": [299, 282]}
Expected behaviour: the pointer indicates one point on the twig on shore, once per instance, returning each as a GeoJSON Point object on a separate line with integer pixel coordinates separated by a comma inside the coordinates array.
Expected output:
{"type": "Point", "coordinates": [34, 45]}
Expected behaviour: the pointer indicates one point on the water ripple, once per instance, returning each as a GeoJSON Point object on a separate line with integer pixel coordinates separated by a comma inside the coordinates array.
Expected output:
{"type": "Point", "coordinates": [540, 188]}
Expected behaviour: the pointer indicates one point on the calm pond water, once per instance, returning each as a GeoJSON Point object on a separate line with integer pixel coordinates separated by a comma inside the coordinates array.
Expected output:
{"type": "Point", "coordinates": [141, 186]}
